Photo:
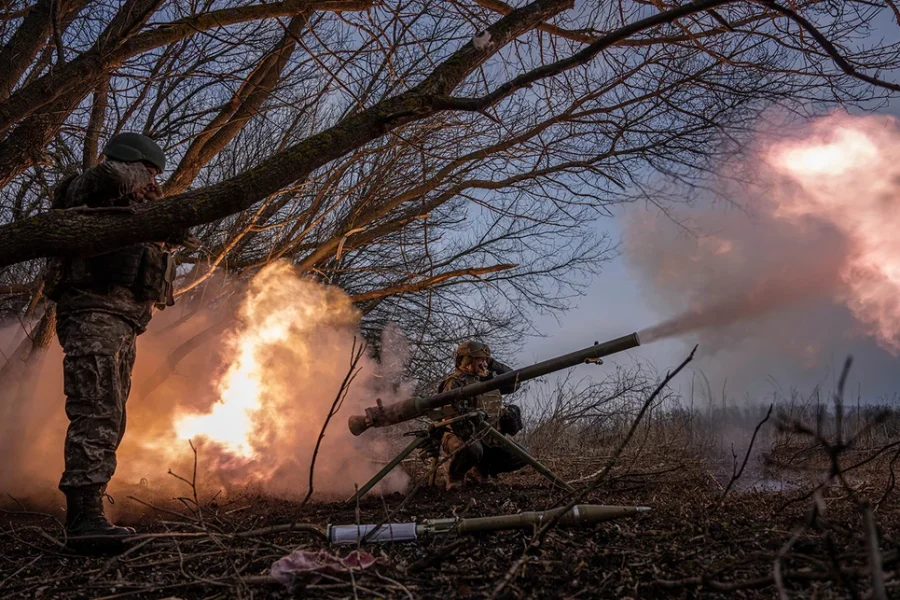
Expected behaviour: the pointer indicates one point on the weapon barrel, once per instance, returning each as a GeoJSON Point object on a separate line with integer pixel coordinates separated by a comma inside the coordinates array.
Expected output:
{"type": "Point", "coordinates": [392, 414]}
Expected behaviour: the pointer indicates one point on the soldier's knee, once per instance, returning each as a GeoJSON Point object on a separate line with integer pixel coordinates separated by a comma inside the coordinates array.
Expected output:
{"type": "Point", "coordinates": [476, 451]}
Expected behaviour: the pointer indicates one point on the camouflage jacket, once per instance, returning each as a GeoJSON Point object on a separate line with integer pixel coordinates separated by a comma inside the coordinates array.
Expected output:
{"type": "Point", "coordinates": [491, 403]}
{"type": "Point", "coordinates": [110, 184]}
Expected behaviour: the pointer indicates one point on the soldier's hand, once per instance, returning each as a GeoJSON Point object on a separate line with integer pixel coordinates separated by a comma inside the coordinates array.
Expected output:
{"type": "Point", "coordinates": [192, 243]}
{"type": "Point", "coordinates": [497, 367]}
{"type": "Point", "coordinates": [150, 191]}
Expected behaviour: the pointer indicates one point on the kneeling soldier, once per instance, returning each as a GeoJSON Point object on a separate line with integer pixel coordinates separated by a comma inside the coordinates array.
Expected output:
{"type": "Point", "coordinates": [481, 458]}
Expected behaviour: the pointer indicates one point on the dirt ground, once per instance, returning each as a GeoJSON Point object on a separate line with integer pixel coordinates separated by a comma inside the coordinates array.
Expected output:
{"type": "Point", "coordinates": [685, 547]}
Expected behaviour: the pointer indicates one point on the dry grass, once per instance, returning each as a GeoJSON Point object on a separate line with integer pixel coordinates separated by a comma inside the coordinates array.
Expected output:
{"type": "Point", "coordinates": [812, 513]}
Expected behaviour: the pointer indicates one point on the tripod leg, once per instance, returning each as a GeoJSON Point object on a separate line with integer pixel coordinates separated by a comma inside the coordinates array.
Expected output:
{"type": "Point", "coordinates": [525, 456]}
{"type": "Point", "coordinates": [387, 469]}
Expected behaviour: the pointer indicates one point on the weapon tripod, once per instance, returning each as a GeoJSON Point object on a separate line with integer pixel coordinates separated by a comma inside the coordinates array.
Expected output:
{"type": "Point", "coordinates": [483, 430]}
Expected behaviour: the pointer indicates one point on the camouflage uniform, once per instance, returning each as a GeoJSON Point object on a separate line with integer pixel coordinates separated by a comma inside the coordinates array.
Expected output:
{"type": "Point", "coordinates": [103, 303]}
{"type": "Point", "coordinates": [484, 455]}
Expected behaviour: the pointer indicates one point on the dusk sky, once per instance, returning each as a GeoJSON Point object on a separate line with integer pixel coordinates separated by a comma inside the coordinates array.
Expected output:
{"type": "Point", "coordinates": [617, 303]}
{"type": "Point", "coordinates": [621, 301]}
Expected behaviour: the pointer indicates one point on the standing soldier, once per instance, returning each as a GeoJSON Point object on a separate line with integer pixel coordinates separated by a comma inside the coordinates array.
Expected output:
{"type": "Point", "coordinates": [482, 459]}
{"type": "Point", "coordinates": [103, 303]}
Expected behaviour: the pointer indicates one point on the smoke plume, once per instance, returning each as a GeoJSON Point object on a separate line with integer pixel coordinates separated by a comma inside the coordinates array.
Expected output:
{"type": "Point", "coordinates": [810, 260]}
{"type": "Point", "coordinates": [251, 391]}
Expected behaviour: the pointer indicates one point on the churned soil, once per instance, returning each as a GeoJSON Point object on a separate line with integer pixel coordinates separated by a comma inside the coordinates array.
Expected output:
{"type": "Point", "coordinates": [690, 545]}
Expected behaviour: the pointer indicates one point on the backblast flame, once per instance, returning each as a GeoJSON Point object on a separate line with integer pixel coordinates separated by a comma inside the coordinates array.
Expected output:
{"type": "Point", "coordinates": [242, 389]}
{"type": "Point", "coordinates": [285, 362]}
{"type": "Point", "coordinates": [253, 401]}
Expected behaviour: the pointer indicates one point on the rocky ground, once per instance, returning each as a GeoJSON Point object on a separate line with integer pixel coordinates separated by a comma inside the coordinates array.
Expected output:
{"type": "Point", "coordinates": [689, 546]}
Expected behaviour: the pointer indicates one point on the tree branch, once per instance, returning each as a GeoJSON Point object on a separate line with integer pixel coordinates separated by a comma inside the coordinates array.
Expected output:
{"type": "Point", "coordinates": [234, 115]}
{"type": "Point", "coordinates": [95, 125]}
{"type": "Point", "coordinates": [428, 282]}
{"type": "Point", "coordinates": [828, 47]}
{"type": "Point", "coordinates": [59, 232]}
{"type": "Point", "coordinates": [120, 42]}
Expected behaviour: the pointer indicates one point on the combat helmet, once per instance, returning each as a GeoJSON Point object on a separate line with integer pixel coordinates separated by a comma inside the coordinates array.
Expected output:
{"type": "Point", "coordinates": [471, 350]}
{"type": "Point", "coordinates": [134, 147]}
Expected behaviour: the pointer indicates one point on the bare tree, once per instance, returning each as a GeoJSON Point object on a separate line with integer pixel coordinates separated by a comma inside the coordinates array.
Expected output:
{"type": "Point", "coordinates": [450, 186]}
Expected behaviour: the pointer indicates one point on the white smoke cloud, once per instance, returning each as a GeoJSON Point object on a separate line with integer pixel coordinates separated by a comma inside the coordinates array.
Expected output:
{"type": "Point", "coordinates": [807, 273]}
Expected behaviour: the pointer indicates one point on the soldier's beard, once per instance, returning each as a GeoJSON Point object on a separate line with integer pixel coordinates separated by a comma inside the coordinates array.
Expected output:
{"type": "Point", "coordinates": [478, 371]}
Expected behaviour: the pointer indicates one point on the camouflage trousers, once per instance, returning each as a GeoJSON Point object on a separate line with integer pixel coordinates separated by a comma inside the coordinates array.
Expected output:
{"type": "Point", "coordinates": [486, 457]}
{"type": "Point", "coordinates": [100, 352]}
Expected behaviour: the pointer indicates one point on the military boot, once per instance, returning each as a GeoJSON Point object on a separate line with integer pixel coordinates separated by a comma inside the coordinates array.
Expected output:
{"type": "Point", "coordinates": [85, 518]}
{"type": "Point", "coordinates": [450, 483]}
{"type": "Point", "coordinates": [480, 478]}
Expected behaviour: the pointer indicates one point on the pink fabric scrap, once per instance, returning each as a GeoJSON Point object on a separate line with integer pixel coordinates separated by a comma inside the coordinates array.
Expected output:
{"type": "Point", "coordinates": [301, 567]}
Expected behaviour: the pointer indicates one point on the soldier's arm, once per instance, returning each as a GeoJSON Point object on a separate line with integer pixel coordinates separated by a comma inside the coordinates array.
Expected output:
{"type": "Point", "coordinates": [452, 383]}
{"type": "Point", "coordinates": [498, 368]}
{"type": "Point", "coordinates": [111, 183]}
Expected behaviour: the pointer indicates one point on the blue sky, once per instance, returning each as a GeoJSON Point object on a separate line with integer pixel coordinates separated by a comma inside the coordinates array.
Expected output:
{"type": "Point", "coordinates": [613, 306]}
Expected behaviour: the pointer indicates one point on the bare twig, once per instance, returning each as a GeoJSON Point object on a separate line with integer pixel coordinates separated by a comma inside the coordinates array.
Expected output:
{"type": "Point", "coordinates": [872, 549]}
{"type": "Point", "coordinates": [539, 536]}
{"type": "Point", "coordinates": [736, 473]}
{"type": "Point", "coordinates": [892, 478]}
{"type": "Point", "coordinates": [356, 353]}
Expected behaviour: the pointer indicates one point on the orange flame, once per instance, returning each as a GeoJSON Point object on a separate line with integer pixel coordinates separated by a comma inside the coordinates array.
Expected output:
{"type": "Point", "coordinates": [254, 402]}
{"type": "Point", "coordinates": [241, 390]}
{"type": "Point", "coordinates": [268, 403]}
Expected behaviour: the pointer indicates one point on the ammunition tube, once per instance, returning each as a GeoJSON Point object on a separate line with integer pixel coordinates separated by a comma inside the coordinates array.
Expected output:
{"type": "Point", "coordinates": [581, 514]}
{"type": "Point", "coordinates": [390, 532]}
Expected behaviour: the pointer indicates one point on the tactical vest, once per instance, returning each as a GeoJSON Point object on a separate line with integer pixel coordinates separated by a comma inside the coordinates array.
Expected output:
{"type": "Point", "coordinates": [146, 270]}
{"type": "Point", "coordinates": [490, 403]}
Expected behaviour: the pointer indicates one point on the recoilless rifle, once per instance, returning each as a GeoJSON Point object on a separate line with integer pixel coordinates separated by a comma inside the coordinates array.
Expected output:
{"type": "Point", "coordinates": [437, 408]}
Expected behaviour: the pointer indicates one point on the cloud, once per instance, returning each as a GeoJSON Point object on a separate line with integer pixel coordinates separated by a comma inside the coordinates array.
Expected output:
{"type": "Point", "coordinates": [805, 272]}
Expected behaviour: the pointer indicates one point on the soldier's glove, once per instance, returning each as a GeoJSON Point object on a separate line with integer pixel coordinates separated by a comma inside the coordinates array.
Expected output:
{"type": "Point", "coordinates": [192, 243]}
{"type": "Point", "coordinates": [184, 239]}
{"type": "Point", "coordinates": [497, 367]}
{"type": "Point", "coordinates": [150, 191]}
{"type": "Point", "coordinates": [510, 421]}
